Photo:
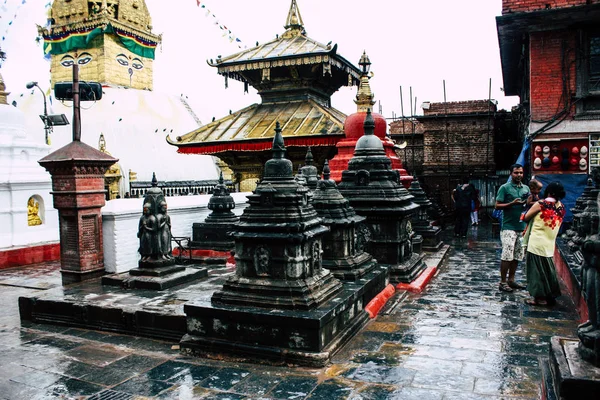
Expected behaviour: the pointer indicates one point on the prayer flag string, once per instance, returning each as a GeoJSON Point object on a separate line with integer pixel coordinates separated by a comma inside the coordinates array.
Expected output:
{"type": "Point", "coordinates": [226, 31]}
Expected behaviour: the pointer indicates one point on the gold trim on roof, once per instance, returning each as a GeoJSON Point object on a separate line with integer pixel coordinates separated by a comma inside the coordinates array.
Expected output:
{"type": "Point", "coordinates": [300, 118]}
{"type": "Point", "coordinates": [96, 21]}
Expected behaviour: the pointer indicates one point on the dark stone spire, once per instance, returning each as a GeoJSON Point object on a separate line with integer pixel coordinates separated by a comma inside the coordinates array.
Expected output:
{"type": "Point", "coordinates": [375, 192]}
{"type": "Point", "coordinates": [213, 235]}
{"type": "Point", "coordinates": [278, 244]}
{"type": "Point", "coordinates": [309, 171]}
{"type": "Point", "coordinates": [278, 167]}
{"type": "Point", "coordinates": [420, 220]}
{"type": "Point", "coordinates": [343, 245]}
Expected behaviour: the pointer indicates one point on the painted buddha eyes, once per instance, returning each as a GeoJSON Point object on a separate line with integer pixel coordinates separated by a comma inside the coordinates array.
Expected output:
{"type": "Point", "coordinates": [68, 60]}
{"type": "Point", "coordinates": [84, 58]}
{"type": "Point", "coordinates": [136, 63]}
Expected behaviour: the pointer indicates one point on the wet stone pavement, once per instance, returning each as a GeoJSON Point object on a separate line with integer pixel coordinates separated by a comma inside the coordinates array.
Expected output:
{"type": "Point", "coordinates": [459, 339]}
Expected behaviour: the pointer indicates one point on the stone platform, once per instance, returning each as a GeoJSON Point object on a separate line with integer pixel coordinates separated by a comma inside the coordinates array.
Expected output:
{"type": "Point", "coordinates": [134, 311]}
{"type": "Point", "coordinates": [574, 378]}
{"type": "Point", "coordinates": [160, 278]}
{"type": "Point", "coordinates": [306, 337]}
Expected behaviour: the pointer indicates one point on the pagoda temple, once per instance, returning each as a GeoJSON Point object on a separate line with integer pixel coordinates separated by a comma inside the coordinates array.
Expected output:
{"type": "Point", "coordinates": [295, 77]}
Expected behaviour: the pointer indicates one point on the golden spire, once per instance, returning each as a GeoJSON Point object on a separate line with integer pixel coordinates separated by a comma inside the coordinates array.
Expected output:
{"type": "Point", "coordinates": [294, 25]}
{"type": "Point", "coordinates": [102, 144]}
{"type": "Point", "coordinates": [364, 98]}
{"type": "Point", "coordinates": [3, 93]}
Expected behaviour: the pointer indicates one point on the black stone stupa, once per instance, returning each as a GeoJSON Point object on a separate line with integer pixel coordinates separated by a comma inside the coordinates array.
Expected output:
{"type": "Point", "coordinates": [281, 303]}
{"type": "Point", "coordinates": [421, 223]}
{"type": "Point", "coordinates": [573, 235]}
{"type": "Point", "coordinates": [309, 171]}
{"type": "Point", "coordinates": [212, 243]}
{"type": "Point", "coordinates": [374, 191]}
{"type": "Point", "coordinates": [344, 244]}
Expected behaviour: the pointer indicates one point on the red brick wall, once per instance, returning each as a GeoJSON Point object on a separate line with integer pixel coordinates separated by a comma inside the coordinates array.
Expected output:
{"type": "Point", "coordinates": [511, 6]}
{"type": "Point", "coordinates": [546, 71]}
{"type": "Point", "coordinates": [460, 107]}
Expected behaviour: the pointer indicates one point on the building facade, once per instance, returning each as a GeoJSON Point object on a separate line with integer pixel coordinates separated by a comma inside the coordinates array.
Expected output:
{"type": "Point", "coordinates": [550, 53]}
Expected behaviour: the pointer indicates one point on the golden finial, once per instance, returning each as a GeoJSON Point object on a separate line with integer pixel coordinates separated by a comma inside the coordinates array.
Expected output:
{"type": "Point", "coordinates": [364, 97]}
{"type": "Point", "coordinates": [102, 144]}
{"type": "Point", "coordinates": [294, 25]}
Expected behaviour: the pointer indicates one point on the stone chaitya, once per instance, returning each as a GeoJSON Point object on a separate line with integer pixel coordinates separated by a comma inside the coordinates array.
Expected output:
{"type": "Point", "coordinates": [156, 267]}
{"type": "Point", "coordinates": [281, 303]}
{"type": "Point", "coordinates": [211, 243]}
{"type": "Point", "coordinates": [421, 223]}
{"type": "Point", "coordinates": [576, 363]}
{"type": "Point", "coordinates": [309, 171]}
{"type": "Point", "coordinates": [344, 245]}
{"type": "Point", "coordinates": [580, 205]}
{"type": "Point", "coordinates": [374, 191]}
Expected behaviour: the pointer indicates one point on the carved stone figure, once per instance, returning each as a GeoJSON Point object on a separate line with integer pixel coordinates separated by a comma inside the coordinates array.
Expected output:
{"type": "Point", "coordinates": [148, 235]}
{"type": "Point", "coordinates": [33, 209]}
{"type": "Point", "coordinates": [589, 332]}
{"type": "Point", "coordinates": [164, 229]}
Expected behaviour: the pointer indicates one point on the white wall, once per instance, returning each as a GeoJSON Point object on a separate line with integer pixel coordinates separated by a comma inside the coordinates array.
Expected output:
{"type": "Point", "coordinates": [20, 178]}
{"type": "Point", "coordinates": [120, 220]}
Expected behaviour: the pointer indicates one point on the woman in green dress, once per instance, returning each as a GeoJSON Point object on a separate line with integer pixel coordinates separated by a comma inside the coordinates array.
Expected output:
{"type": "Point", "coordinates": [545, 218]}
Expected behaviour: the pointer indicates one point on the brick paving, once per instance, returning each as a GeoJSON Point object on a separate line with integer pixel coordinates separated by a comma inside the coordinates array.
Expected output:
{"type": "Point", "coordinates": [458, 339]}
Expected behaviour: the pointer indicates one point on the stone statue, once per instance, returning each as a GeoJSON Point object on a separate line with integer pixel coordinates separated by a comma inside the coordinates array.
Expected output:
{"type": "Point", "coordinates": [33, 208]}
{"type": "Point", "coordinates": [589, 332]}
{"type": "Point", "coordinates": [148, 235]}
{"type": "Point", "coordinates": [164, 229]}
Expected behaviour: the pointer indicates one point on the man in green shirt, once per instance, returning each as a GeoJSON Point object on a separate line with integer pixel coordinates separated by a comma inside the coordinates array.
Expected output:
{"type": "Point", "coordinates": [511, 198]}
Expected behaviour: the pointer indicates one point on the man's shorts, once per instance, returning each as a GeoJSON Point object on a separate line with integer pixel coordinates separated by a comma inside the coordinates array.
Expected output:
{"type": "Point", "coordinates": [512, 246]}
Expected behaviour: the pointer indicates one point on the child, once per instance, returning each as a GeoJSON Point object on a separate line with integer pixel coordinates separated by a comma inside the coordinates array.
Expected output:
{"type": "Point", "coordinates": [535, 187]}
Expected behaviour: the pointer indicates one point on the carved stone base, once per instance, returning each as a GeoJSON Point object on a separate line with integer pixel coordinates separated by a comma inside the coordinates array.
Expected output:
{"type": "Point", "coordinates": [155, 278]}
{"type": "Point", "coordinates": [408, 270]}
{"type": "Point", "coordinates": [152, 264]}
{"type": "Point", "coordinates": [306, 337]}
{"type": "Point", "coordinates": [69, 277]}
{"type": "Point", "coordinates": [589, 348]}
{"type": "Point", "coordinates": [417, 244]}
{"type": "Point", "coordinates": [432, 240]}
{"type": "Point", "coordinates": [574, 377]}
{"type": "Point", "coordinates": [350, 268]}
{"type": "Point", "coordinates": [301, 294]}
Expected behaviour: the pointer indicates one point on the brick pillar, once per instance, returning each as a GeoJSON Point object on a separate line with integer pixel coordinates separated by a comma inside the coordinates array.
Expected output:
{"type": "Point", "coordinates": [78, 189]}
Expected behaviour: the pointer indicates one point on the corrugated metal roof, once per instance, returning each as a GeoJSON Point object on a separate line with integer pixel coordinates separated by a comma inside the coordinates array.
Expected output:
{"type": "Point", "coordinates": [281, 47]}
{"type": "Point", "coordinates": [297, 119]}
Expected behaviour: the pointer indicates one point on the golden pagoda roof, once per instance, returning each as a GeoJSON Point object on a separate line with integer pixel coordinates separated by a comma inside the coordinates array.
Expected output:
{"type": "Point", "coordinates": [292, 47]}
{"type": "Point", "coordinates": [301, 119]}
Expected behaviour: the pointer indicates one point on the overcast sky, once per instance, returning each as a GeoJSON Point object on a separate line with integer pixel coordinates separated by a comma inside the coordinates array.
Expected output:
{"type": "Point", "coordinates": [410, 43]}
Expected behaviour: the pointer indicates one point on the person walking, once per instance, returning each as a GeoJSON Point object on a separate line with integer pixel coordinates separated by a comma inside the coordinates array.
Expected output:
{"type": "Point", "coordinates": [510, 199]}
{"type": "Point", "coordinates": [546, 217]}
{"type": "Point", "coordinates": [462, 197]}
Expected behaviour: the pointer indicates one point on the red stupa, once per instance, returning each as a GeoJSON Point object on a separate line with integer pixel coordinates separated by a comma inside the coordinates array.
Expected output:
{"type": "Point", "coordinates": [353, 130]}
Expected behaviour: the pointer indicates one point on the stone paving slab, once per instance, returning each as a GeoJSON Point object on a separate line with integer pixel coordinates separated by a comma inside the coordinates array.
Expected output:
{"type": "Point", "coordinates": [458, 339]}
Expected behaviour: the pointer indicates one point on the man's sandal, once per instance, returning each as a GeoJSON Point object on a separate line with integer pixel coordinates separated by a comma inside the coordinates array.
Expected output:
{"type": "Point", "coordinates": [504, 287]}
{"type": "Point", "coordinates": [515, 285]}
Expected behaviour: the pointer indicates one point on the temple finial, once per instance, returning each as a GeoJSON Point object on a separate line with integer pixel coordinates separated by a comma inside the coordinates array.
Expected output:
{"type": "Point", "coordinates": [364, 97]}
{"type": "Point", "coordinates": [221, 178]}
{"type": "Point", "coordinates": [154, 181]}
{"type": "Point", "coordinates": [369, 124]}
{"type": "Point", "coordinates": [278, 144]}
{"type": "Point", "coordinates": [294, 23]}
{"type": "Point", "coordinates": [326, 171]}
{"type": "Point", "coordinates": [308, 160]}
